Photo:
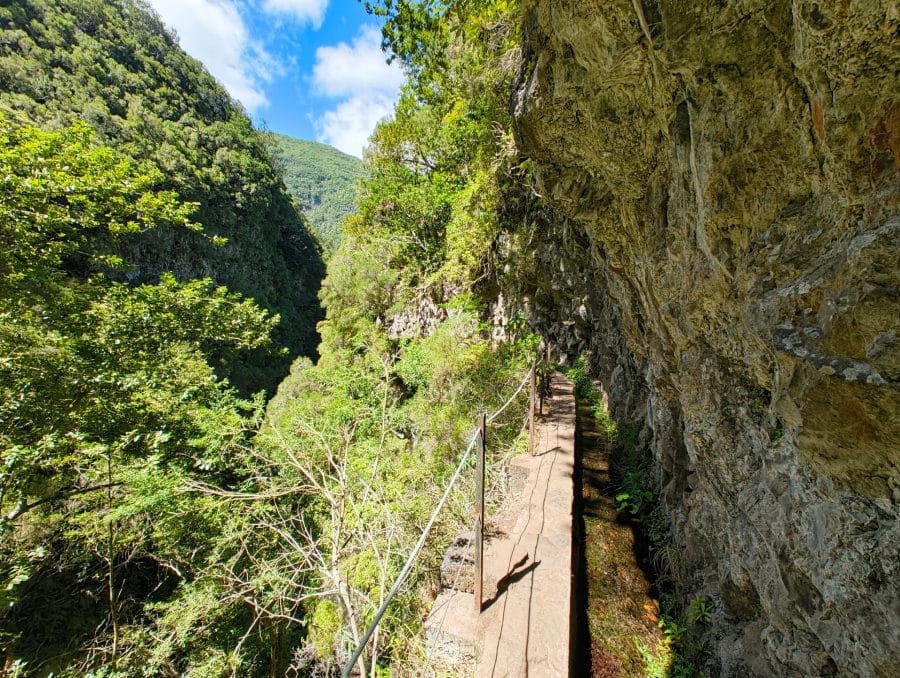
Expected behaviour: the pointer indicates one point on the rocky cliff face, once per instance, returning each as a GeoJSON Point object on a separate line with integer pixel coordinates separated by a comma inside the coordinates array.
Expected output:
{"type": "Point", "coordinates": [724, 186]}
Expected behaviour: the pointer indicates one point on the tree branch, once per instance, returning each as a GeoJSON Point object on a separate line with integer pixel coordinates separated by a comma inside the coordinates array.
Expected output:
{"type": "Point", "coordinates": [23, 506]}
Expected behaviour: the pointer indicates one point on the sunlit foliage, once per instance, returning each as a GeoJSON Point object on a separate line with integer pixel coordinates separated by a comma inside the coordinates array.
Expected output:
{"type": "Point", "coordinates": [154, 522]}
{"type": "Point", "coordinates": [322, 180]}
{"type": "Point", "coordinates": [113, 66]}
{"type": "Point", "coordinates": [107, 397]}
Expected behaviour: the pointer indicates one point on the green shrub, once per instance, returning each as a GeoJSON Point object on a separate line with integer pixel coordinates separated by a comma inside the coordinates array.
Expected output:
{"type": "Point", "coordinates": [324, 625]}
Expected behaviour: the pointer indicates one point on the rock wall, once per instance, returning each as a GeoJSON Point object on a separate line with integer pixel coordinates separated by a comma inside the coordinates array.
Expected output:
{"type": "Point", "coordinates": [722, 231]}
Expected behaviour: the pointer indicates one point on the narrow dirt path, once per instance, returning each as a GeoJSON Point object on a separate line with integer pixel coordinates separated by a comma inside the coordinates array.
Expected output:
{"type": "Point", "coordinates": [617, 615]}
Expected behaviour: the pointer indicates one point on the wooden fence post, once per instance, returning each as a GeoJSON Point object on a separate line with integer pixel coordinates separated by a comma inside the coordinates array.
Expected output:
{"type": "Point", "coordinates": [542, 386]}
{"type": "Point", "coordinates": [479, 512]}
{"type": "Point", "coordinates": [545, 376]}
{"type": "Point", "coordinates": [531, 411]}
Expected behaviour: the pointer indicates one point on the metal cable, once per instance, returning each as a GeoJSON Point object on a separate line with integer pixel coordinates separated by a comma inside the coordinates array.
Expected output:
{"type": "Point", "coordinates": [409, 562]}
{"type": "Point", "coordinates": [511, 398]}
{"type": "Point", "coordinates": [407, 567]}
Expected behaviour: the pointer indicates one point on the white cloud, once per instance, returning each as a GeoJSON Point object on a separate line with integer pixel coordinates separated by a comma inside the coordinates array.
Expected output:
{"type": "Point", "coordinates": [312, 11]}
{"type": "Point", "coordinates": [368, 86]}
{"type": "Point", "coordinates": [348, 126]}
{"type": "Point", "coordinates": [213, 32]}
{"type": "Point", "coordinates": [343, 70]}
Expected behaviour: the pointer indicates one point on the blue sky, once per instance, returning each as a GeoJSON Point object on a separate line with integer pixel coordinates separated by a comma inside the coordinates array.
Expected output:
{"type": "Point", "coordinates": [312, 69]}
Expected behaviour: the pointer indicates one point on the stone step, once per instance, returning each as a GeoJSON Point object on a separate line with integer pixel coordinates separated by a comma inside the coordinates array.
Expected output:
{"type": "Point", "coordinates": [458, 566]}
{"type": "Point", "coordinates": [451, 636]}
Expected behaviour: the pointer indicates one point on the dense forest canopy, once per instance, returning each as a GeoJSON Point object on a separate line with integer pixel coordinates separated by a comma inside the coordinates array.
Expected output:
{"type": "Point", "coordinates": [108, 394]}
{"type": "Point", "coordinates": [323, 180]}
{"type": "Point", "coordinates": [114, 66]}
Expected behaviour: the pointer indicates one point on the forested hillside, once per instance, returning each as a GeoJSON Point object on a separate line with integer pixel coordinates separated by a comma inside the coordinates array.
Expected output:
{"type": "Point", "coordinates": [324, 182]}
{"type": "Point", "coordinates": [112, 65]}
{"type": "Point", "coordinates": [153, 523]}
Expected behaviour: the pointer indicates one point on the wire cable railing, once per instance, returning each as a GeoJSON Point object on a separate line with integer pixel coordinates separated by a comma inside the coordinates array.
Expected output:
{"type": "Point", "coordinates": [407, 567]}
{"type": "Point", "coordinates": [499, 410]}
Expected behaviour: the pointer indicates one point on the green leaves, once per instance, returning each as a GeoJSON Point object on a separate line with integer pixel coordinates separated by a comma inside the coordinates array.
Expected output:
{"type": "Point", "coordinates": [364, 441]}
{"type": "Point", "coordinates": [322, 180]}
{"type": "Point", "coordinates": [416, 32]}
{"type": "Point", "coordinates": [436, 171]}
{"type": "Point", "coordinates": [108, 403]}
{"type": "Point", "coordinates": [207, 541]}
{"type": "Point", "coordinates": [113, 67]}
{"type": "Point", "coordinates": [64, 195]}
{"type": "Point", "coordinates": [147, 318]}
{"type": "Point", "coordinates": [634, 502]}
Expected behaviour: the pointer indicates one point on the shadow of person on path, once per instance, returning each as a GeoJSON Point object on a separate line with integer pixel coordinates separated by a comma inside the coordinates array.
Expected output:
{"type": "Point", "coordinates": [514, 575]}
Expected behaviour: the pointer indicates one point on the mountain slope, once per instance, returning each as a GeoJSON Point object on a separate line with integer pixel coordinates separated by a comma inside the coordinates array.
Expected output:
{"type": "Point", "coordinates": [323, 180]}
{"type": "Point", "coordinates": [114, 65]}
